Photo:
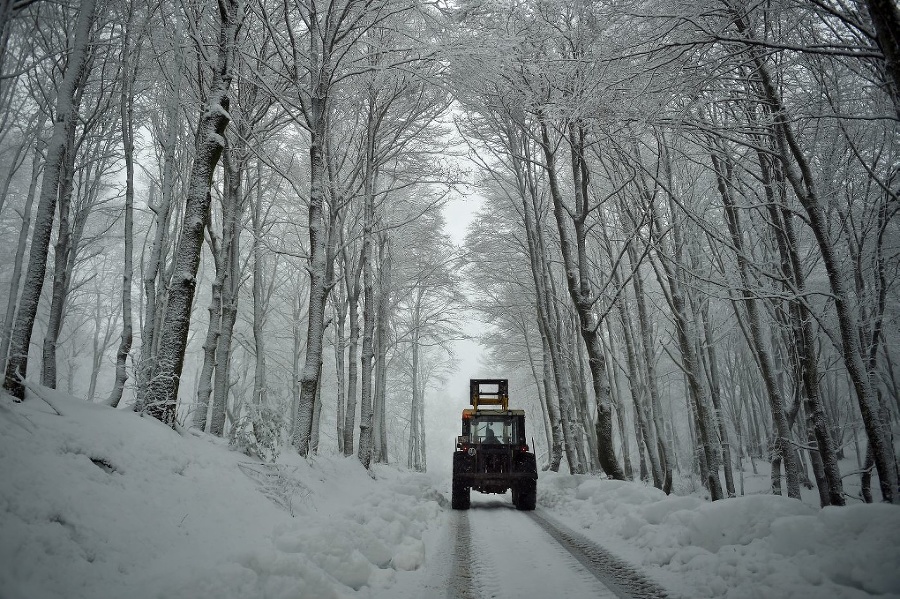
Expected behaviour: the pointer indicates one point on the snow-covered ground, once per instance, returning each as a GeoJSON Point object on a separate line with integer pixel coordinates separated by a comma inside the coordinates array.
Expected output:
{"type": "Point", "coordinates": [100, 503]}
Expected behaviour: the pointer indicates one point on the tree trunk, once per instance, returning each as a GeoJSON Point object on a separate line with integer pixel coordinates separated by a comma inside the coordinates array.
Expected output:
{"type": "Point", "coordinates": [758, 345]}
{"type": "Point", "coordinates": [646, 434]}
{"type": "Point", "coordinates": [353, 292]}
{"type": "Point", "coordinates": [886, 18]}
{"type": "Point", "coordinates": [649, 365]}
{"type": "Point", "coordinates": [799, 174]}
{"type": "Point", "coordinates": [339, 304]}
{"type": "Point", "coordinates": [260, 300]}
{"type": "Point", "coordinates": [580, 407]}
{"type": "Point", "coordinates": [366, 412]}
{"type": "Point", "coordinates": [162, 215]}
{"type": "Point", "coordinates": [61, 251]}
{"type": "Point", "coordinates": [578, 283]}
{"type": "Point", "coordinates": [381, 348]}
{"type": "Point", "coordinates": [126, 107]}
{"type": "Point", "coordinates": [66, 116]}
{"type": "Point", "coordinates": [538, 382]}
{"type": "Point", "coordinates": [162, 392]}
{"type": "Point", "coordinates": [232, 208]}
{"type": "Point", "coordinates": [296, 330]}
{"type": "Point", "coordinates": [19, 260]}
{"type": "Point", "coordinates": [317, 419]}
{"type": "Point", "coordinates": [414, 450]}
{"type": "Point", "coordinates": [689, 360]}
{"type": "Point", "coordinates": [831, 489]}
{"type": "Point", "coordinates": [99, 343]}
{"type": "Point", "coordinates": [366, 415]}
{"type": "Point", "coordinates": [318, 287]}
{"type": "Point", "coordinates": [554, 374]}
{"type": "Point", "coordinates": [204, 379]}
{"type": "Point", "coordinates": [708, 357]}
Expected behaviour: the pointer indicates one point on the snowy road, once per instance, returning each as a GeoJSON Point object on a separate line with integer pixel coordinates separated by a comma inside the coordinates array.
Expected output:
{"type": "Point", "coordinates": [503, 553]}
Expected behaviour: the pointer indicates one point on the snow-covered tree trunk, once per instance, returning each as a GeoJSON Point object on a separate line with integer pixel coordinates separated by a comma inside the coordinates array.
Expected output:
{"type": "Point", "coordinates": [92, 153]}
{"type": "Point", "coordinates": [616, 396]}
{"type": "Point", "coordinates": [232, 208]}
{"type": "Point", "coordinates": [21, 246]}
{"type": "Point", "coordinates": [817, 420]}
{"type": "Point", "coordinates": [578, 283]}
{"type": "Point", "coordinates": [554, 442]}
{"type": "Point", "coordinates": [260, 298]}
{"type": "Point", "coordinates": [649, 364]}
{"type": "Point", "coordinates": [381, 349]}
{"type": "Point", "coordinates": [317, 419]}
{"type": "Point", "coordinates": [784, 450]}
{"type": "Point", "coordinates": [65, 119]}
{"type": "Point", "coordinates": [686, 334]}
{"type": "Point", "coordinates": [639, 396]}
{"type": "Point", "coordinates": [126, 108]}
{"type": "Point", "coordinates": [318, 233]}
{"type": "Point", "coordinates": [538, 372]}
{"type": "Point", "coordinates": [367, 356]}
{"type": "Point", "coordinates": [352, 278]}
{"type": "Point", "coordinates": [366, 411]}
{"type": "Point", "coordinates": [211, 341]}
{"type": "Point", "coordinates": [162, 212]}
{"type": "Point", "coordinates": [416, 448]}
{"type": "Point", "coordinates": [162, 388]}
{"type": "Point", "coordinates": [413, 450]}
{"type": "Point", "coordinates": [339, 305]}
{"type": "Point", "coordinates": [554, 346]}
{"type": "Point", "coordinates": [545, 303]}
{"type": "Point", "coordinates": [799, 174]}
{"type": "Point", "coordinates": [708, 357]}
{"type": "Point", "coordinates": [222, 374]}
{"type": "Point", "coordinates": [583, 437]}
{"type": "Point", "coordinates": [296, 354]}
{"type": "Point", "coordinates": [102, 338]}
{"type": "Point", "coordinates": [885, 16]}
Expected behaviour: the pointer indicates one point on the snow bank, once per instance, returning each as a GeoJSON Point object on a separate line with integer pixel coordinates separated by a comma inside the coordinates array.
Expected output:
{"type": "Point", "coordinates": [96, 503]}
{"type": "Point", "coordinates": [747, 547]}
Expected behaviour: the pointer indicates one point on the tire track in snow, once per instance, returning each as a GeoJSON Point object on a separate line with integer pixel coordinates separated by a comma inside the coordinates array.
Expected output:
{"type": "Point", "coordinates": [461, 584]}
{"type": "Point", "coordinates": [623, 579]}
{"type": "Point", "coordinates": [509, 558]}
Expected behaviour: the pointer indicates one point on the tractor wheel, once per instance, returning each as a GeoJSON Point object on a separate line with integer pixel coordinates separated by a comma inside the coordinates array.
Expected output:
{"type": "Point", "coordinates": [527, 496]}
{"type": "Point", "coordinates": [460, 499]}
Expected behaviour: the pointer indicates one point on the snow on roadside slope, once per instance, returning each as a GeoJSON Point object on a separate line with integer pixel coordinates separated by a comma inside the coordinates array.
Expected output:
{"type": "Point", "coordinates": [96, 503]}
{"type": "Point", "coordinates": [757, 546]}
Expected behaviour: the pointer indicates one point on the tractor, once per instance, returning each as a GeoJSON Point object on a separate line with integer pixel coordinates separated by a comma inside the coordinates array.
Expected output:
{"type": "Point", "coordinates": [491, 454]}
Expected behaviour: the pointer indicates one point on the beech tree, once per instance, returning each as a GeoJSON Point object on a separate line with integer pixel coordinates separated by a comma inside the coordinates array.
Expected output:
{"type": "Point", "coordinates": [160, 397]}
{"type": "Point", "coordinates": [133, 36]}
{"type": "Point", "coordinates": [64, 123]}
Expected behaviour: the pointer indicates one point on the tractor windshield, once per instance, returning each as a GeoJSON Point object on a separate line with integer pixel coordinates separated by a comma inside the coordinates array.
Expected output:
{"type": "Point", "coordinates": [497, 429]}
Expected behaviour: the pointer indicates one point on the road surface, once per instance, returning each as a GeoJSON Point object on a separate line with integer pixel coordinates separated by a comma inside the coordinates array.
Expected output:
{"type": "Point", "coordinates": [500, 552]}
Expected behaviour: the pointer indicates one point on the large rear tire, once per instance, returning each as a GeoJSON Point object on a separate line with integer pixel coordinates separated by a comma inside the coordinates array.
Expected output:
{"type": "Point", "coordinates": [527, 496]}
{"type": "Point", "coordinates": [460, 499]}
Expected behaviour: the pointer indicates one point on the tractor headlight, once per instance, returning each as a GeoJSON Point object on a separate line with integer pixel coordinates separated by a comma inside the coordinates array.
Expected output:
{"type": "Point", "coordinates": [471, 451]}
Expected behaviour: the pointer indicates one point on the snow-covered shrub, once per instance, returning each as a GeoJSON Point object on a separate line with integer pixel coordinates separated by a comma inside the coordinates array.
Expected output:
{"type": "Point", "coordinates": [257, 431]}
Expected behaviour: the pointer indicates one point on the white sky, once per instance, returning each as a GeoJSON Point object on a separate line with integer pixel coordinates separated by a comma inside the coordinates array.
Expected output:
{"type": "Point", "coordinates": [459, 211]}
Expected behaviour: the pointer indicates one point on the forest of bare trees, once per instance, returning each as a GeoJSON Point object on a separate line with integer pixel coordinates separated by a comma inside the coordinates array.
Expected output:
{"type": "Point", "coordinates": [230, 215]}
